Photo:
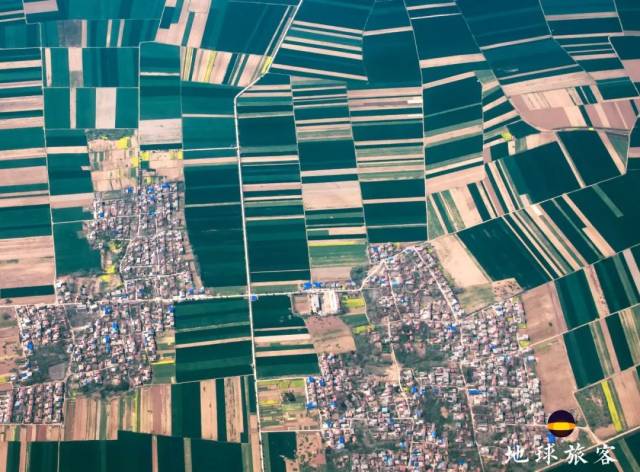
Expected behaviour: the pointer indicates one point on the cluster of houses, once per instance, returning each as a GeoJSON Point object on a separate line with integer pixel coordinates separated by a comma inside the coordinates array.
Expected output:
{"type": "Point", "coordinates": [41, 325]}
{"type": "Point", "coordinates": [115, 350]}
{"type": "Point", "coordinates": [144, 232]}
{"type": "Point", "coordinates": [41, 403]}
{"type": "Point", "coordinates": [370, 423]}
{"type": "Point", "coordinates": [75, 291]}
{"type": "Point", "coordinates": [466, 387]}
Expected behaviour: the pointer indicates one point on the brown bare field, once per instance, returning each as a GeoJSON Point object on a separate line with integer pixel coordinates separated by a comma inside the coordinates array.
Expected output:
{"type": "Point", "coordinates": [506, 288]}
{"type": "Point", "coordinates": [10, 350]}
{"type": "Point", "coordinates": [605, 431]}
{"type": "Point", "coordinates": [596, 291]}
{"type": "Point", "coordinates": [155, 409]}
{"type": "Point", "coordinates": [24, 456]}
{"type": "Point", "coordinates": [8, 432]}
{"type": "Point", "coordinates": [46, 432]}
{"type": "Point", "coordinates": [233, 407]}
{"type": "Point", "coordinates": [458, 179]}
{"type": "Point", "coordinates": [326, 195]}
{"type": "Point", "coordinates": [543, 312]}
{"type": "Point", "coordinates": [3, 452]}
{"type": "Point", "coordinates": [154, 454]}
{"type": "Point", "coordinates": [453, 256]}
{"type": "Point", "coordinates": [112, 417]}
{"type": "Point", "coordinates": [208, 409]}
{"type": "Point", "coordinates": [121, 407]}
{"type": "Point", "coordinates": [466, 206]}
{"type": "Point", "coordinates": [310, 450]}
{"type": "Point", "coordinates": [556, 377]}
{"type": "Point", "coordinates": [27, 262]}
{"type": "Point", "coordinates": [160, 131]}
{"type": "Point", "coordinates": [254, 441]}
{"type": "Point", "coordinates": [80, 419]}
{"type": "Point", "coordinates": [84, 200]}
{"type": "Point", "coordinates": [167, 164]}
{"type": "Point", "coordinates": [24, 175]}
{"type": "Point", "coordinates": [610, 351]}
{"type": "Point", "coordinates": [330, 335]}
{"type": "Point", "coordinates": [301, 304]}
{"type": "Point", "coordinates": [628, 388]}
{"type": "Point", "coordinates": [330, 274]}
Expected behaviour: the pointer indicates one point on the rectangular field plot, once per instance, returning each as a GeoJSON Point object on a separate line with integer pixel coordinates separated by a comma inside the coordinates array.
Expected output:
{"type": "Point", "coordinates": [271, 186]}
{"type": "Point", "coordinates": [282, 342]}
{"type": "Point", "coordinates": [213, 339]}
{"type": "Point", "coordinates": [576, 300]}
{"type": "Point", "coordinates": [583, 356]}
{"type": "Point", "coordinates": [225, 359]}
{"type": "Point", "coordinates": [610, 406]}
{"type": "Point", "coordinates": [283, 406]}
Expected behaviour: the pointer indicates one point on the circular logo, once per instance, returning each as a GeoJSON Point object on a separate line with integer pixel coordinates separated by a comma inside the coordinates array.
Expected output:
{"type": "Point", "coordinates": [561, 423]}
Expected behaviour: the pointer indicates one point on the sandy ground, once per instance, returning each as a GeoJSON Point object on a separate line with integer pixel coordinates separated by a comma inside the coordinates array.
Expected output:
{"type": "Point", "coordinates": [330, 334]}
{"type": "Point", "coordinates": [628, 388]}
{"type": "Point", "coordinates": [208, 409]}
{"type": "Point", "coordinates": [453, 256]}
{"type": "Point", "coordinates": [543, 312]}
{"type": "Point", "coordinates": [555, 374]}
{"type": "Point", "coordinates": [233, 407]}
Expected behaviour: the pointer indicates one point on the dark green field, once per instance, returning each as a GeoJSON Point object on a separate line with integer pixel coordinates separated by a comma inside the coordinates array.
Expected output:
{"type": "Point", "coordinates": [185, 410]}
{"type": "Point", "coordinates": [620, 343]}
{"type": "Point", "coordinates": [583, 356]}
{"type": "Point", "coordinates": [576, 300]}
{"type": "Point", "coordinates": [501, 254]}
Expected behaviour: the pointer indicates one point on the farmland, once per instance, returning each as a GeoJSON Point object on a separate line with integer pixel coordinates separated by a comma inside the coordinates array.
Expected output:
{"type": "Point", "coordinates": [316, 234]}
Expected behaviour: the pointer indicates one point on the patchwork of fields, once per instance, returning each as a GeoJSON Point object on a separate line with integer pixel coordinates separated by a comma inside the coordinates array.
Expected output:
{"type": "Point", "coordinates": [302, 133]}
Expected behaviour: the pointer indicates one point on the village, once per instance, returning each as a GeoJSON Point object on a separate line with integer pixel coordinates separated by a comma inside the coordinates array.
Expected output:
{"type": "Point", "coordinates": [429, 386]}
{"type": "Point", "coordinates": [101, 335]}
{"type": "Point", "coordinates": [141, 230]}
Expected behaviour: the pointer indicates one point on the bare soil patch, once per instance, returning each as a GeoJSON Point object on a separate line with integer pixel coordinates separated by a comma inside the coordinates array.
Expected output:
{"type": "Point", "coordinates": [457, 262]}
{"type": "Point", "coordinates": [330, 334]}
{"type": "Point", "coordinates": [628, 389]}
{"type": "Point", "coordinates": [543, 312]}
{"type": "Point", "coordinates": [556, 377]}
{"type": "Point", "coordinates": [233, 407]}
